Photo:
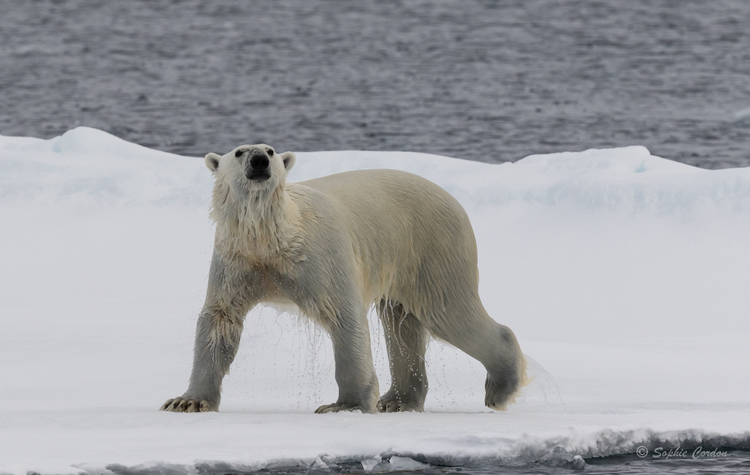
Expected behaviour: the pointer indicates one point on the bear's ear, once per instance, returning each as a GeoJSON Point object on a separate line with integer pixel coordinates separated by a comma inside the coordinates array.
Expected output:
{"type": "Point", "coordinates": [212, 162]}
{"type": "Point", "coordinates": [289, 160]}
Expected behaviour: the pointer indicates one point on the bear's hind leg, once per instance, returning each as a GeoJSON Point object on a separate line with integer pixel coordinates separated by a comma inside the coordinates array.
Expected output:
{"type": "Point", "coordinates": [406, 340]}
{"type": "Point", "coordinates": [471, 330]}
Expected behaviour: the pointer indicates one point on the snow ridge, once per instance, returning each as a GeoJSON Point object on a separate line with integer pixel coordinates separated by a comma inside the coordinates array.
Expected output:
{"type": "Point", "coordinates": [563, 452]}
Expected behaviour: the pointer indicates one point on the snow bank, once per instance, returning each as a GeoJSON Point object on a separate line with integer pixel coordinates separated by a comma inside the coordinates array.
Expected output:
{"type": "Point", "coordinates": [624, 276]}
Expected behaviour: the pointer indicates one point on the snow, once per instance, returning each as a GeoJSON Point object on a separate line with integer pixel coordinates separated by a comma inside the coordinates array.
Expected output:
{"type": "Point", "coordinates": [623, 275]}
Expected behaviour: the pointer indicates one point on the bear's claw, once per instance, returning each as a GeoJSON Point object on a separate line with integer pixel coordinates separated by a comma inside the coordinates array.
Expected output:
{"type": "Point", "coordinates": [326, 408]}
{"type": "Point", "coordinates": [179, 404]}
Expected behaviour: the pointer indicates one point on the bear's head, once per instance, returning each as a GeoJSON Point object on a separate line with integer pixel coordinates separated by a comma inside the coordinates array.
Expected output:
{"type": "Point", "coordinates": [250, 168]}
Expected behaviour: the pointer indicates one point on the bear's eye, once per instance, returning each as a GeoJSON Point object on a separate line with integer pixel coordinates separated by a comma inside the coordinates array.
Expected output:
{"type": "Point", "coordinates": [238, 153]}
{"type": "Point", "coordinates": [270, 152]}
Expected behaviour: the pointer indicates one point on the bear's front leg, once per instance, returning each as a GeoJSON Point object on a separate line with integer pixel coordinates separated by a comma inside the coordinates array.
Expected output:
{"type": "Point", "coordinates": [355, 373]}
{"type": "Point", "coordinates": [231, 294]}
{"type": "Point", "coordinates": [217, 339]}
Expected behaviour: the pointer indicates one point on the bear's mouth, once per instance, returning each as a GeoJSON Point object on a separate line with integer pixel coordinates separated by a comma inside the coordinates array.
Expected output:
{"type": "Point", "coordinates": [258, 176]}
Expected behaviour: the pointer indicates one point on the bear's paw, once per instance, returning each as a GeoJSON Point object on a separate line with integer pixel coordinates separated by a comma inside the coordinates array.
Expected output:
{"type": "Point", "coordinates": [390, 403]}
{"type": "Point", "coordinates": [180, 404]}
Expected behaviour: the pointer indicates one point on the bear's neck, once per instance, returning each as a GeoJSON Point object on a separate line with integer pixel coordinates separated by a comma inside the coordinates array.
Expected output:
{"type": "Point", "coordinates": [259, 226]}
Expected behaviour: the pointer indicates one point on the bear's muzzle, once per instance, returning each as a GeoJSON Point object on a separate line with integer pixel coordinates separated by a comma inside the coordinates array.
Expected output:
{"type": "Point", "coordinates": [257, 168]}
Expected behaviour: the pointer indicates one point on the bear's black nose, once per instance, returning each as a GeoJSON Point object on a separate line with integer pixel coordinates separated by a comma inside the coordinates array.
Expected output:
{"type": "Point", "coordinates": [259, 162]}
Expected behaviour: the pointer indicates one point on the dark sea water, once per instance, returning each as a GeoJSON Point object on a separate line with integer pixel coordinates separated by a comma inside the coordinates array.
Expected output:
{"type": "Point", "coordinates": [482, 80]}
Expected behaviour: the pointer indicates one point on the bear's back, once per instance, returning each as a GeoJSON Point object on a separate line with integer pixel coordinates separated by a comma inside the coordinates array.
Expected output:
{"type": "Point", "coordinates": [385, 198]}
{"type": "Point", "coordinates": [404, 227]}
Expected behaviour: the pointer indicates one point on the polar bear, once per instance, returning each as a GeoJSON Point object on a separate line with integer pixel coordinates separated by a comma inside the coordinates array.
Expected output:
{"type": "Point", "coordinates": [335, 246]}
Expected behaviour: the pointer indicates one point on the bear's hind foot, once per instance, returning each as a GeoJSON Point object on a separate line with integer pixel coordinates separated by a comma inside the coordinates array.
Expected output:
{"type": "Point", "coordinates": [396, 406]}
{"type": "Point", "coordinates": [180, 404]}
{"type": "Point", "coordinates": [389, 402]}
{"type": "Point", "coordinates": [500, 393]}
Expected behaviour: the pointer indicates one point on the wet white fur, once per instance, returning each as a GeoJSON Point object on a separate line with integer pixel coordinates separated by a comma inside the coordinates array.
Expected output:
{"type": "Point", "coordinates": [335, 246]}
